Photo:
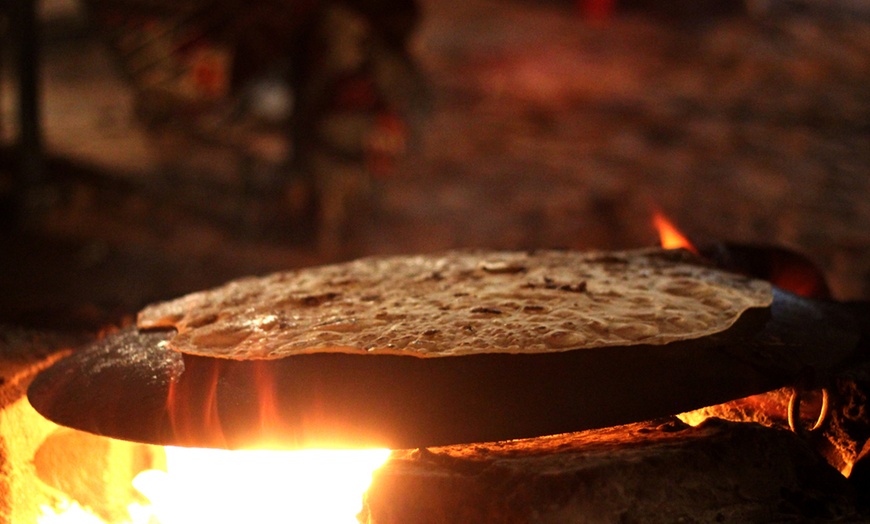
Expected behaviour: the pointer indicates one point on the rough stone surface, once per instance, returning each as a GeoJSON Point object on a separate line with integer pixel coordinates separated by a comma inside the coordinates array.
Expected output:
{"type": "Point", "coordinates": [667, 472]}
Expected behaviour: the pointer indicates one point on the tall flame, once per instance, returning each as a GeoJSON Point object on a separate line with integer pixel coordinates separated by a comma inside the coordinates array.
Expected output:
{"type": "Point", "coordinates": [669, 236]}
{"type": "Point", "coordinates": [262, 486]}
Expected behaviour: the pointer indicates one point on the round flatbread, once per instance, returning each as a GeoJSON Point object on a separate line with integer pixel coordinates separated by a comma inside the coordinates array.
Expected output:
{"type": "Point", "coordinates": [462, 303]}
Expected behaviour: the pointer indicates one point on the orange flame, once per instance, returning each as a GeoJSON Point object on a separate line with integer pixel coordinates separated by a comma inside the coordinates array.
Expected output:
{"type": "Point", "coordinates": [669, 236]}
{"type": "Point", "coordinates": [193, 413]}
{"type": "Point", "coordinates": [263, 486]}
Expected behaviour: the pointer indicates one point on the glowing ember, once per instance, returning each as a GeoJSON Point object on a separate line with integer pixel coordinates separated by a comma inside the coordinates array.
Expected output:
{"type": "Point", "coordinates": [669, 236]}
{"type": "Point", "coordinates": [263, 486]}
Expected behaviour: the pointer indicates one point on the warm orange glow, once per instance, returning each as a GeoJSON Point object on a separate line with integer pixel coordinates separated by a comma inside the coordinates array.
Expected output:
{"type": "Point", "coordinates": [194, 412]}
{"type": "Point", "coordinates": [70, 513]}
{"type": "Point", "coordinates": [800, 278]}
{"type": "Point", "coordinates": [669, 236]}
{"type": "Point", "coordinates": [262, 486]}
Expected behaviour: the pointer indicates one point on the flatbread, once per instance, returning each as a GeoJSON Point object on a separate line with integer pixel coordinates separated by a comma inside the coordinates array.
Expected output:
{"type": "Point", "coordinates": [462, 303]}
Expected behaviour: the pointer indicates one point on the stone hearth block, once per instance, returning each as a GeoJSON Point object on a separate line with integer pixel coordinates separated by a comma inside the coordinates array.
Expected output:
{"type": "Point", "coordinates": [669, 472]}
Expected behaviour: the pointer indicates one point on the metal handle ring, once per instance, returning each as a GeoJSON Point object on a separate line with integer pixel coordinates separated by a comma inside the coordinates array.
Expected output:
{"type": "Point", "coordinates": [794, 410]}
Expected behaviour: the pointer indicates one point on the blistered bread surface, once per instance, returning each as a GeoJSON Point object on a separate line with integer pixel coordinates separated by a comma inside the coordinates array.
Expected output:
{"type": "Point", "coordinates": [461, 303]}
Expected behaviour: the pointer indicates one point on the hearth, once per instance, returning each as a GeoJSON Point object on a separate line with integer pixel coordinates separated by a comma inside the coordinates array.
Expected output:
{"type": "Point", "coordinates": [751, 468]}
{"type": "Point", "coordinates": [536, 142]}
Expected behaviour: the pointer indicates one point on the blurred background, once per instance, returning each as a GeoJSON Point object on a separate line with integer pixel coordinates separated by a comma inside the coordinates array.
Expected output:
{"type": "Point", "coordinates": [150, 148]}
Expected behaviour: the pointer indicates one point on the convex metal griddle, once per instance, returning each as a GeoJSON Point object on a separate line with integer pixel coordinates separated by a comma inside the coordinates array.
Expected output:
{"type": "Point", "coordinates": [132, 385]}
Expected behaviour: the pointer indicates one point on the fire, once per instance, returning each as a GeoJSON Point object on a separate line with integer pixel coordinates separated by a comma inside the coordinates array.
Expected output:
{"type": "Point", "coordinates": [669, 236]}
{"type": "Point", "coordinates": [263, 486]}
{"type": "Point", "coordinates": [69, 513]}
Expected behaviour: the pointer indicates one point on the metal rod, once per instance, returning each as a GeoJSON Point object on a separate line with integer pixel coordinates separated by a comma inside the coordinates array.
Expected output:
{"type": "Point", "coordinates": [4, 39]}
{"type": "Point", "coordinates": [25, 25]}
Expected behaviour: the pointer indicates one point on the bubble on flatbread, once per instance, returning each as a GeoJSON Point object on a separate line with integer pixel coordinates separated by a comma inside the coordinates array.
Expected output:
{"type": "Point", "coordinates": [461, 303]}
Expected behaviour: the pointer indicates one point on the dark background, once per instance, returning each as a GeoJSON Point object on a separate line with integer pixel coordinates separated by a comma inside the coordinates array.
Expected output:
{"type": "Point", "coordinates": [539, 127]}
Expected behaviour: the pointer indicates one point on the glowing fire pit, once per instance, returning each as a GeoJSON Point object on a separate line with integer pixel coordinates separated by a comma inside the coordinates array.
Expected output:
{"type": "Point", "coordinates": [136, 384]}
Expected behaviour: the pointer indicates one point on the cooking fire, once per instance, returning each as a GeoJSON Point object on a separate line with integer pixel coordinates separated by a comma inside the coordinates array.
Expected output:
{"type": "Point", "coordinates": [263, 486]}
{"type": "Point", "coordinates": [472, 358]}
{"type": "Point", "coordinates": [150, 148]}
